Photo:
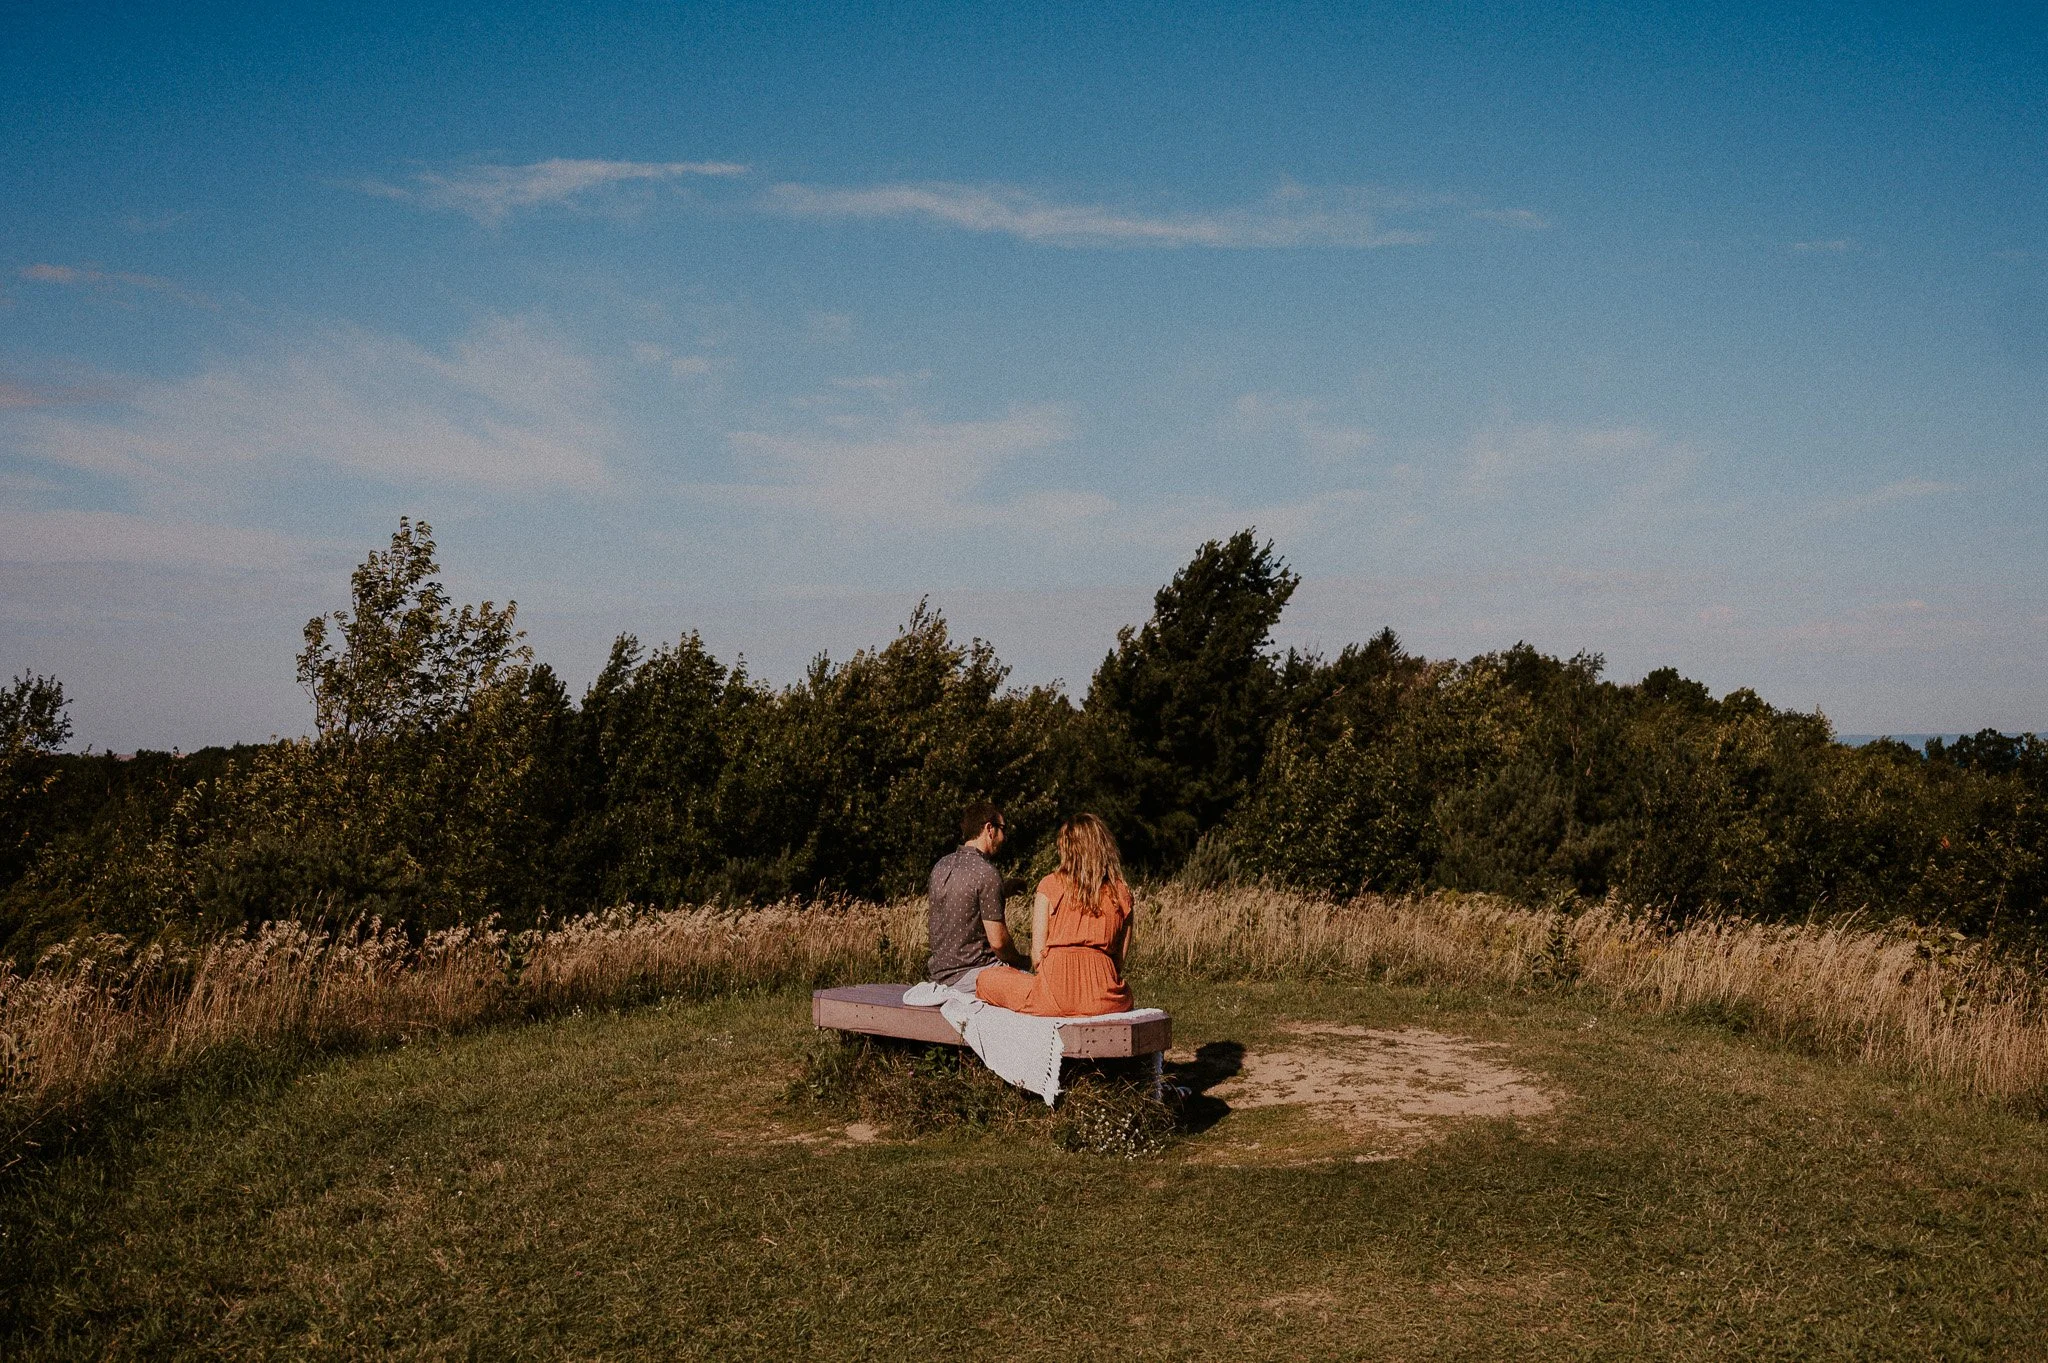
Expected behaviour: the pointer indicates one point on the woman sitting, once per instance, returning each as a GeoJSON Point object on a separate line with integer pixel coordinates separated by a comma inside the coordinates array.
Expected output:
{"type": "Point", "coordinates": [1080, 933]}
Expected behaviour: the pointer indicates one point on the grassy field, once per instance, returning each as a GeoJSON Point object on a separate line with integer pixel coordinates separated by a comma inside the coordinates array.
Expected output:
{"type": "Point", "coordinates": [636, 1185]}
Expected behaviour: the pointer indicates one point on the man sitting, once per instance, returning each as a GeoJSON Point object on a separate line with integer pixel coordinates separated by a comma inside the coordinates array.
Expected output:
{"type": "Point", "coordinates": [967, 928]}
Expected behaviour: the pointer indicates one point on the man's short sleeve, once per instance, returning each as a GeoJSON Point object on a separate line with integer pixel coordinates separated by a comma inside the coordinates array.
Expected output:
{"type": "Point", "coordinates": [990, 893]}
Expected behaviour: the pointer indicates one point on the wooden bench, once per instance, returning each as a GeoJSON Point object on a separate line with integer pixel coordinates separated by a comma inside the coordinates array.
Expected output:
{"type": "Point", "coordinates": [879, 1010]}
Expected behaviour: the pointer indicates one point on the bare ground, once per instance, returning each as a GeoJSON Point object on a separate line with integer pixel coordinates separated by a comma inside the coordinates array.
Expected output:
{"type": "Point", "coordinates": [1385, 1091]}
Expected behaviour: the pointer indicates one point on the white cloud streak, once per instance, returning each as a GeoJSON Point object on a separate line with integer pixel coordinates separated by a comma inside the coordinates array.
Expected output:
{"type": "Point", "coordinates": [509, 407]}
{"type": "Point", "coordinates": [882, 384]}
{"type": "Point", "coordinates": [680, 367]}
{"type": "Point", "coordinates": [489, 194]}
{"type": "Point", "coordinates": [1293, 217]}
{"type": "Point", "coordinates": [82, 276]}
{"type": "Point", "coordinates": [905, 469]}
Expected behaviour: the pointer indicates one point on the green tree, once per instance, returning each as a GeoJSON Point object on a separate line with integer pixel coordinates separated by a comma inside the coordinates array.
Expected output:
{"type": "Point", "coordinates": [1537, 820]}
{"type": "Point", "coordinates": [1180, 710]}
{"type": "Point", "coordinates": [33, 726]}
{"type": "Point", "coordinates": [404, 659]}
{"type": "Point", "coordinates": [435, 790]}
{"type": "Point", "coordinates": [660, 733]}
{"type": "Point", "coordinates": [855, 778]}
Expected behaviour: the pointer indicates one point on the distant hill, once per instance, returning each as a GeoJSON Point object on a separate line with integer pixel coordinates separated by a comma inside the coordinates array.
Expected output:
{"type": "Point", "coordinates": [1910, 740]}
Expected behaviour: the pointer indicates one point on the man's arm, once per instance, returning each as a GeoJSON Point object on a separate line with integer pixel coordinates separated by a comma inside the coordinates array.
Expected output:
{"type": "Point", "coordinates": [997, 926]}
{"type": "Point", "coordinates": [999, 938]}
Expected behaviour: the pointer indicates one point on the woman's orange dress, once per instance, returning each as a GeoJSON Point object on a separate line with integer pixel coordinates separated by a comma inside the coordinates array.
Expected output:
{"type": "Point", "coordinates": [1080, 973]}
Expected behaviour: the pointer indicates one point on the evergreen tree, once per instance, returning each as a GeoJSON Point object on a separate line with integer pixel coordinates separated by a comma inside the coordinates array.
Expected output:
{"type": "Point", "coordinates": [1180, 709]}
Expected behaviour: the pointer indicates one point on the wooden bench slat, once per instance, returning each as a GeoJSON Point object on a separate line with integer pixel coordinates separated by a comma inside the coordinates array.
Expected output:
{"type": "Point", "coordinates": [883, 1019]}
{"type": "Point", "coordinates": [879, 1010]}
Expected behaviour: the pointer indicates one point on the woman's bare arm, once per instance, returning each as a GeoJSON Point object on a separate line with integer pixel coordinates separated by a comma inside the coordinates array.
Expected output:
{"type": "Point", "coordinates": [1041, 912]}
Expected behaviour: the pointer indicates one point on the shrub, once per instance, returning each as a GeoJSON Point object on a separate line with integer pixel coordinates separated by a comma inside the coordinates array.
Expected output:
{"type": "Point", "coordinates": [915, 1090]}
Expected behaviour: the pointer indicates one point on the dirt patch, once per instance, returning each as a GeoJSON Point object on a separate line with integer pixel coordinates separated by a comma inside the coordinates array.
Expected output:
{"type": "Point", "coordinates": [1389, 1090]}
{"type": "Point", "coordinates": [834, 1138]}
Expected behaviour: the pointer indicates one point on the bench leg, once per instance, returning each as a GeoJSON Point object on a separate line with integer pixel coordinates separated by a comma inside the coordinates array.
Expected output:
{"type": "Point", "coordinates": [1159, 1075]}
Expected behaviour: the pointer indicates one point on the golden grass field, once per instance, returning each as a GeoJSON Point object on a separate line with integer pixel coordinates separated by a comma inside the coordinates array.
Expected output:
{"type": "Point", "coordinates": [1423, 1129]}
{"type": "Point", "coordinates": [1911, 1003]}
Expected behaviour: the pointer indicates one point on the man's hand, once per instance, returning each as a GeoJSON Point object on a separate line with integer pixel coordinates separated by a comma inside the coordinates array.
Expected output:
{"type": "Point", "coordinates": [999, 939]}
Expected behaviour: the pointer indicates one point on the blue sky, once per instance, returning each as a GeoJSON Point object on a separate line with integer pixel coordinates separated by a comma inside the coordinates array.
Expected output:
{"type": "Point", "coordinates": [1715, 338]}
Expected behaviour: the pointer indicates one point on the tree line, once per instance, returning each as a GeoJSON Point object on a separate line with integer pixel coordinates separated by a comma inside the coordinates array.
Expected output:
{"type": "Point", "coordinates": [452, 777]}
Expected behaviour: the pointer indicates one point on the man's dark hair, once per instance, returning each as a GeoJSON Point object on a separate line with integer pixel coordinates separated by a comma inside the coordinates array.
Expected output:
{"type": "Point", "coordinates": [976, 817]}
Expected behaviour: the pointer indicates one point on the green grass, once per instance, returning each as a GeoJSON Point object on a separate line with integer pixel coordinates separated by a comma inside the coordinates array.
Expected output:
{"type": "Point", "coordinates": [638, 1185]}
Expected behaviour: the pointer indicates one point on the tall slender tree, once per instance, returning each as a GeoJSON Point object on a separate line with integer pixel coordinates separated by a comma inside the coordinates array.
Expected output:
{"type": "Point", "coordinates": [1183, 705]}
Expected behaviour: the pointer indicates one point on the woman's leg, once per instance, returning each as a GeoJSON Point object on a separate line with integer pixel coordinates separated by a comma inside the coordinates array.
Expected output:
{"type": "Point", "coordinates": [1004, 986]}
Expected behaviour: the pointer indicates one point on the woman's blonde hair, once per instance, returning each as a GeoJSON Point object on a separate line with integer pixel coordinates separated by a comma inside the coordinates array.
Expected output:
{"type": "Point", "coordinates": [1089, 859]}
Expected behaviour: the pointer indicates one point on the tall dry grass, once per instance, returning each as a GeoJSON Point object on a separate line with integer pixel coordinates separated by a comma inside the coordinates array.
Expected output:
{"type": "Point", "coordinates": [1911, 1002]}
{"type": "Point", "coordinates": [102, 1012]}
{"type": "Point", "coordinates": [625, 956]}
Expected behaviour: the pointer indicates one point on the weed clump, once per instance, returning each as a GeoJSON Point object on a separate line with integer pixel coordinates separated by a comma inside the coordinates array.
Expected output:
{"type": "Point", "coordinates": [919, 1090]}
{"type": "Point", "coordinates": [1113, 1116]}
{"type": "Point", "coordinates": [911, 1088]}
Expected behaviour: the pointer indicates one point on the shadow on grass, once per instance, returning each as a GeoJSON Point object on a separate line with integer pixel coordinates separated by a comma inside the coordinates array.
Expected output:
{"type": "Point", "coordinates": [1214, 1063]}
{"type": "Point", "coordinates": [123, 1111]}
{"type": "Point", "coordinates": [68, 1162]}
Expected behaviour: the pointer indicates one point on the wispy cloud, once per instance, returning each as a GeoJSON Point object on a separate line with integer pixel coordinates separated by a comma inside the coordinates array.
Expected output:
{"type": "Point", "coordinates": [902, 468]}
{"type": "Point", "coordinates": [679, 366]}
{"type": "Point", "coordinates": [14, 398]}
{"type": "Point", "coordinates": [25, 485]}
{"type": "Point", "coordinates": [888, 384]}
{"type": "Point", "coordinates": [489, 193]}
{"type": "Point", "coordinates": [1306, 420]}
{"type": "Point", "coordinates": [1174, 522]}
{"type": "Point", "coordinates": [1499, 458]}
{"type": "Point", "coordinates": [1291, 217]}
{"type": "Point", "coordinates": [1877, 626]}
{"type": "Point", "coordinates": [509, 407]}
{"type": "Point", "coordinates": [50, 537]}
{"type": "Point", "coordinates": [828, 327]}
{"type": "Point", "coordinates": [83, 276]}
{"type": "Point", "coordinates": [1906, 489]}
{"type": "Point", "coordinates": [868, 392]}
{"type": "Point", "coordinates": [1899, 490]}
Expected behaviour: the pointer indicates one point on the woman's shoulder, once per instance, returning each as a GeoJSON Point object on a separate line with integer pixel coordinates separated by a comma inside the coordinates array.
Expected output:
{"type": "Point", "coordinates": [1053, 886]}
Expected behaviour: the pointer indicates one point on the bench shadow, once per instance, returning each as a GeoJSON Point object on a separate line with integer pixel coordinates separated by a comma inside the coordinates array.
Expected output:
{"type": "Point", "coordinates": [1214, 1062]}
